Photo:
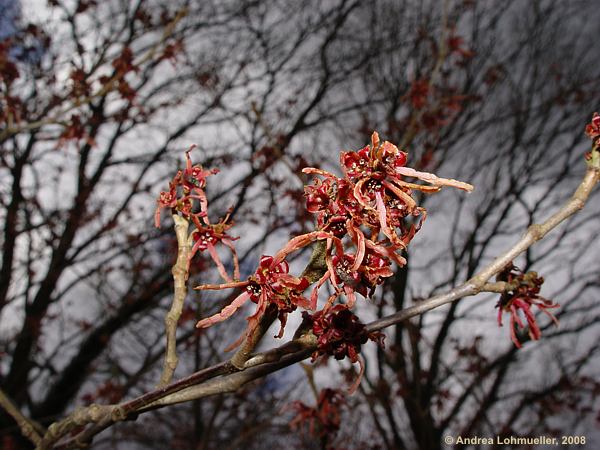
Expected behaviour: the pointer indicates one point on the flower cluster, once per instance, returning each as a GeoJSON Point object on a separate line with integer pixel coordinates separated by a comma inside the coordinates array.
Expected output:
{"type": "Point", "coordinates": [339, 332]}
{"type": "Point", "coordinates": [322, 419]}
{"type": "Point", "coordinates": [521, 296]}
{"type": "Point", "coordinates": [365, 219]}
{"type": "Point", "coordinates": [186, 187]}
{"type": "Point", "coordinates": [372, 204]}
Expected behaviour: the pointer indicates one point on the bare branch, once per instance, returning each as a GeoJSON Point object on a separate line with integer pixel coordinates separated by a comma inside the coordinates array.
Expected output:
{"type": "Point", "coordinates": [180, 275]}
{"type": "Point", "coordinates": [29, 428]}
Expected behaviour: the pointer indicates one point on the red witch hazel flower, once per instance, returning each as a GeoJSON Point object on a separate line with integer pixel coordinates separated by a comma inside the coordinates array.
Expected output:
{"type": "Point", "coordinates": [270, 284]}
{"type": "Point", "coordinates": [372, 194]}
{"type": "Point", "coordinates": [364, 278]}
{"type": "Point", "coordinates": [324, 419]}
{"type": "Point", "coordinates": [592, 129]}
{"type": "Point", "coordinates": [192, 181]}
{"type": "Point", "coordinates": [340, 334]}
{"type": "Point", "coordinates": [523, 294]}
{"type": "Point", "coordinates": [207, 236]}
{"type": "Point", "coordinates": [188, 185]}
{"type": "Point", "coordinates": [377, 172]}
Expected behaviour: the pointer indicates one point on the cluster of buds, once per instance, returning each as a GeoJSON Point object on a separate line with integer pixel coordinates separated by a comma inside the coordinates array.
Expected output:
{"type": "Point", "coordinates": [322, 419]}
{"type": "Point", "coordinates": [521, 295]}
{"type": "Point", "coordinates": [186, 187]}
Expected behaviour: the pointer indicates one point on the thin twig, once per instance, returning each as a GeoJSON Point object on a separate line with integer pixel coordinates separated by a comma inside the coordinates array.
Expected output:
{"type": "Point", "coordinates": [28, 427]}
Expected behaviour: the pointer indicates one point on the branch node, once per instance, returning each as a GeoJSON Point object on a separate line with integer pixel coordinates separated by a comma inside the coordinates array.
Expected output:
{"type": "Point", "coordinates": [536, 232]}
{"type": "Point", "coordinates": [118, 414]}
